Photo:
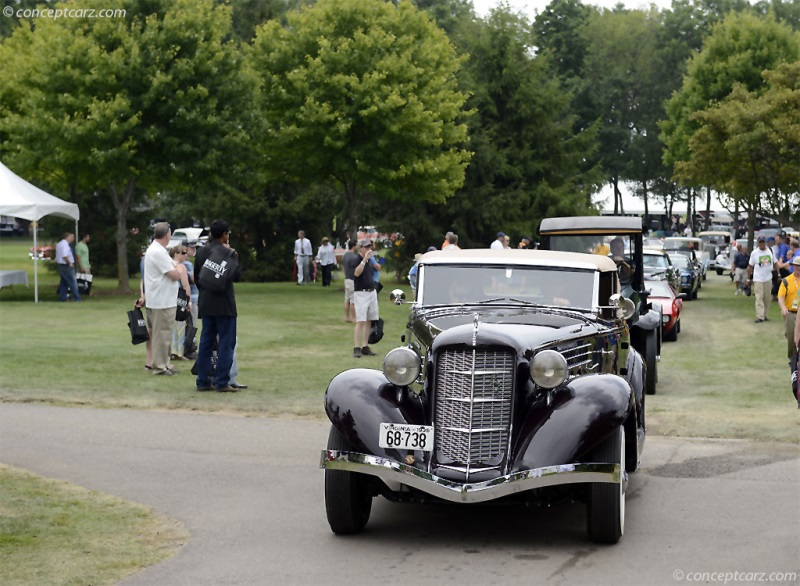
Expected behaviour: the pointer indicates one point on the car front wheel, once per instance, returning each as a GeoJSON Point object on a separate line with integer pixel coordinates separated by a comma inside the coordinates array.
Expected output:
{"type": "Point", "coordinates": [606, 506]}
{"type": "Point", "coordinates": [348, 499]}
{"type": "Point", "coordinates": [672, 335]}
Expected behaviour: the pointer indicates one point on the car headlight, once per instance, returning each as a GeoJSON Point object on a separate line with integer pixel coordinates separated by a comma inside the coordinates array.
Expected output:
{"type": "Point", "coordinates": [401, 366]}
{"type": "Point", "coordinates": [549, 369]}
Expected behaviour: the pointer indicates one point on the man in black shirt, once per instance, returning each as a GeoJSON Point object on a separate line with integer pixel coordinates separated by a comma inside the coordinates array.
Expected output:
{"type": "Point", "coordinates": [365, 298]}
{"type": "Point", "coordinates": [217, 309]}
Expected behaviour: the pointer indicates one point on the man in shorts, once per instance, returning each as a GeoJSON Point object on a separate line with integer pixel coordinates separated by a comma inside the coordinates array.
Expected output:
{"type": "Point", "coordinates": [365, 298]}
{"type": "Point", "coordinates": [349, 261]}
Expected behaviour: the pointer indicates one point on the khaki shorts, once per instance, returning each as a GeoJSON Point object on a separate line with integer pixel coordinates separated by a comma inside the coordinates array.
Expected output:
{"type": "Point", "coordinates": [348, 290]}
{"type": "Point", "coordinates": [788, 323]}
{"type": "Point", "coordinates": [366, 303]}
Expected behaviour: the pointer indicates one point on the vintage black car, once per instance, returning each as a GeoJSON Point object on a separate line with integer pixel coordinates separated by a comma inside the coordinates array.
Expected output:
{"type": "Point", "coordinates": [621, 238]}
{"type": "Point", "coordinates": [515, 382]}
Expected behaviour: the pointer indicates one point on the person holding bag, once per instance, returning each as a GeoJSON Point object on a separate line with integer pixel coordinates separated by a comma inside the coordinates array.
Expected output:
{"type": "Point", "coordinates": [161, 275]}
{"type": "Point", "coordinates": [215, 270]}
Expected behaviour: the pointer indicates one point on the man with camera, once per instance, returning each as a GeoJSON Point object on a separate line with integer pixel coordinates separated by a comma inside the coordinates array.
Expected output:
{"type": "Point", "coordinates": [365, 298]}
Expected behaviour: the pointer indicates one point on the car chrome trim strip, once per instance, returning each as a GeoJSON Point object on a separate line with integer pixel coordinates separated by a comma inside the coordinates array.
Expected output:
{"type": "Point", "coordinates": [392, 471]}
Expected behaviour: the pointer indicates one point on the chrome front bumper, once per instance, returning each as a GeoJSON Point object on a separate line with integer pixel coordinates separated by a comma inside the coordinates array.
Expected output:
{"type": "Point", "coordinates": [393, 471]}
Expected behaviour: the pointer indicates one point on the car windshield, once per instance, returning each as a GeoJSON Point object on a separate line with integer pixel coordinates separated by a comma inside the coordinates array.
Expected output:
{"type": "Point", "coordinates": [659, 289]}
{"type": "Point", "coordinates": [680, 244]}
{"type": "Point", "coordinates": [455, 284]}
{"type": "Point", "coordinates": [680, 260]}
{"type": "Point", "coordinates": [607, 245]}
{"type": "Point", "coordinates": [655, 261]}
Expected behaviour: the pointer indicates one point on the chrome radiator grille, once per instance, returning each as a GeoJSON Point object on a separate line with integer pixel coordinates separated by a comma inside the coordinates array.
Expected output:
{"type": "Point", "coordinates": [472, 418]}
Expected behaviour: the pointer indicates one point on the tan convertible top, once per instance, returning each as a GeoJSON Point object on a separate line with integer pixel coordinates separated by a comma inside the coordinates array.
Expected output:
{"type": "Point", "coordinates": [512, 256]}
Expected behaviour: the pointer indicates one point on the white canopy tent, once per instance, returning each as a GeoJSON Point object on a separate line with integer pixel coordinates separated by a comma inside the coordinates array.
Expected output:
{"type": "Point", "coordinates": [20, 199]}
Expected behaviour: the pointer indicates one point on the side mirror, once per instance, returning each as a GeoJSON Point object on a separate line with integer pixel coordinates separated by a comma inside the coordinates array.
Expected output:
{"type": "Point", "coordinates": [397, 296]}
{"type": "Point", "coordinates": [682, 296]}
{"type": "Point", "coordinates": [623, 305]}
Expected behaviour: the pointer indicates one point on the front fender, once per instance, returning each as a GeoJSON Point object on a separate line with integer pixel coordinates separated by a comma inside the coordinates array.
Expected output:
{"type": "Point", "coordinates": [649, 321]}
{"type": "Point", "coordinates": [357, 401]}
{"type": "Point", "coordinates": [580, 415]}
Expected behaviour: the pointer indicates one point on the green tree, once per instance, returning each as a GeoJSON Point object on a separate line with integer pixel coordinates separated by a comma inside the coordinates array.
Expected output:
{"type": "Point", "coordinates": [362, 95]}
{"type": "Point", "coordinates": [250, 14]}
{"type": "Point", "coordinates": [737, 51]}
{"type": "Point", "coordinates": [529, 162]}
{"type": "Point", "coordinates": [787, 11]}
{"type": "Point", "coordinates": [558, 33]}
{"type": "Point", "coordinates": [748, 145]}
{"type": "Point", "coordinates": [155, 100]}
{"type": "Point", "coordinates": [450, 15]}
{"type": "Point", "coordinates": [617, 83]}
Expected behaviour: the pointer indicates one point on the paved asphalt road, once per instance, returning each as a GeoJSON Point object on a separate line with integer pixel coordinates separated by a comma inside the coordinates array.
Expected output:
{"type": "Point", "coordinates": [250, 493]}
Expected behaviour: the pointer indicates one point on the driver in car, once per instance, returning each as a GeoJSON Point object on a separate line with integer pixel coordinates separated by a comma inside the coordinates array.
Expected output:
{"type": "Point", "coordinates": [617, 254]}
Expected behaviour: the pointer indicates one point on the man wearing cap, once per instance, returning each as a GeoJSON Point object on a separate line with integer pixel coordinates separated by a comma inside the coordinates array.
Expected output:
{"type": "Point", "coordinates": [326, 257]}
{"type": "Point", "coordinates": [365, 298]}
{"type": "Point", "coordinates": [789, 301]}
{"type": "Point", "coordinates": [500, 242]}
{"type": "Point", "coordinates": [759, 271]}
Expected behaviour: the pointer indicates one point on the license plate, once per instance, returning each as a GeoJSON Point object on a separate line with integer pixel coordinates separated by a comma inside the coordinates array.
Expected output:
{"type": "Point", "coordinates": [406, 437]}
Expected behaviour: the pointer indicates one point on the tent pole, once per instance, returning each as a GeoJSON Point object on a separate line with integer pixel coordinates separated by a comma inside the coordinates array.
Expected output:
{"type": "Point", "coordinates": [35, 264]}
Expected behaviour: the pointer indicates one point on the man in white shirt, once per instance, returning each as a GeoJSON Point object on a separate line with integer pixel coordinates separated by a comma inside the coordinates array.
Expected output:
{"type": "Point", "coordinates": [326, 257]}
{"type": "Point", "coordinates": [65, 261]}
{"type": "Point", "coordinates": [161, 278]}
{"type": "Point", "coordinates": [761, 264]}
{"type": "Point", "coordinates": [302, 257]}
{"type": "Point", "coordinates": [452, 242]}
{"type": "Point", "coordinates": [500, 242]}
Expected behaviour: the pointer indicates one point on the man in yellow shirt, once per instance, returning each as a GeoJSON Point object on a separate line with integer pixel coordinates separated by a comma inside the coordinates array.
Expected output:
{"type": "Point", "coordinates": [789, 301]}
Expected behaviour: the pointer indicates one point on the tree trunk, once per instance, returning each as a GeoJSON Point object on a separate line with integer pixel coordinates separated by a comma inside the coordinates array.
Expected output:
{"type": "Point", "coordinates": [122, 203]}
{"type": "Point", "coordinates": [351, 207]}
{"type": "Point", "coordinates": [751, 227]}
{"type": "Point", "coordinates": [646, 207]}
{"type": "Point", "coordinates": [618, 207]}
{"type": "Point", "coordinates": [708, 208]}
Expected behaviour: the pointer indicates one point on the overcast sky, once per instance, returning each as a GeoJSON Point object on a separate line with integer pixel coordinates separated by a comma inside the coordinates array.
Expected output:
{"type": "Point", "coordinates": [532, 7]}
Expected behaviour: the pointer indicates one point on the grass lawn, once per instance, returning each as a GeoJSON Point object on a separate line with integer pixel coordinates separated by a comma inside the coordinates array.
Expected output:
{"type": "Point", "coordinates": [52, 532]}
{"type": "Point", "coordinates": [726, 376]}
{"type": "Point", "coordinates": [292, 341]}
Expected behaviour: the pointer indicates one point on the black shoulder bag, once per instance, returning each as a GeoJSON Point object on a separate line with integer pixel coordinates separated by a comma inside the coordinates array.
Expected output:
{"type": "Point", "coordinates": [218, 269]}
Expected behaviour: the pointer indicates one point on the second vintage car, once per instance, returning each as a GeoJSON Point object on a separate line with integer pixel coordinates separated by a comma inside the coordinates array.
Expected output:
{"type": "Point", "coordinates": [516, 382]}
{"type": "Point", "coordinates": [671, 302]}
